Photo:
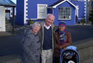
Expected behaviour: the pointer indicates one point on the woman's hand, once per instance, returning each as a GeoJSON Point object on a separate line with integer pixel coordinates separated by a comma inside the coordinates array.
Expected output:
{"type": "Point", "coordinates": [64, 48]}
{"type": "Point", "coordinates": [60, 47]}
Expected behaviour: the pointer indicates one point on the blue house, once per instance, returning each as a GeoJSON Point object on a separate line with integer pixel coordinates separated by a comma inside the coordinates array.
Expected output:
{"type": "Point", "coordinates": [69, 11]}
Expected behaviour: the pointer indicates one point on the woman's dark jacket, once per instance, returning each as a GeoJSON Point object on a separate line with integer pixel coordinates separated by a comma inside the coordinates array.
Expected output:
{"type": "Point", "coordinates": [64, 45]}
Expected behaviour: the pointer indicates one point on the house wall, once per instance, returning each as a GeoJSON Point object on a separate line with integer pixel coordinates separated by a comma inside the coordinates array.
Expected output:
{"type": "Point", "coordinates": [32, 7]}
{"type": "Point", "coordinates": [20, 12]}
{"type": "Point", "coordinates": [31, 11]}
{"type": "Point", "coordinates": [68, 22]}
{"type": "Point", "coordinates": [81, 10]}
{"type": "Point", "coordinates": [28, 10]}
{"type": "Point", "coordinates": [80, 4]}
{"type": "Point", "coordinates": [2, 18]}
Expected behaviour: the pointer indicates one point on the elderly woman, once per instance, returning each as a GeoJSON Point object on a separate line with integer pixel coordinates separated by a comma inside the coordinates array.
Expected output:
{"type": "Point", "coordinates": [31, 45]}
{"type": "Point", "coordinates": [62, 40]}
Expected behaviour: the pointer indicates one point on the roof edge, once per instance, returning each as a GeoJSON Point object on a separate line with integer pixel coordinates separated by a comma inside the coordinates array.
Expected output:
{"type": "Point", "coordinates": [63, 2]}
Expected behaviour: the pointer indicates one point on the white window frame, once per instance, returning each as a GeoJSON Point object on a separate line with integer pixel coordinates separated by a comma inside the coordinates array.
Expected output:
{"type": "Point", "coordinates": [61, 18]}
{"type": "Point", "coordinates": [38, 17]}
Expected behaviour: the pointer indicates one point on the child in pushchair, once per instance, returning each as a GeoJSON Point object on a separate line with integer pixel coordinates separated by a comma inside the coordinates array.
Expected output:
{"type": "Point", "coordinates": [69, 55]}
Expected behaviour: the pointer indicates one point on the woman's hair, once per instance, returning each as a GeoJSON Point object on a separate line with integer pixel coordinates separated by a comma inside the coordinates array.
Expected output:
{"type": "Point", "coordinates": [36, 24]}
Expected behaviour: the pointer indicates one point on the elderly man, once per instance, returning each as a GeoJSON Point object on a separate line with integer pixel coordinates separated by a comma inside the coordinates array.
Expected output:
{"type": "Point", "coordinates": [47, 39]}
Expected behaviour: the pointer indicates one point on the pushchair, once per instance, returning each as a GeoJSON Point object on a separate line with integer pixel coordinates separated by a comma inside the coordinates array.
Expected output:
{"type": "Point", "coordinates": [69, 55]}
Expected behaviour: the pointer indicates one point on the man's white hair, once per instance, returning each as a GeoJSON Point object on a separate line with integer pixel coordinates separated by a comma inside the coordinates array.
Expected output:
{"type": "Point", "coordinates": [36, 24]}
{"type": "Point", "coordinates": [50, 14]}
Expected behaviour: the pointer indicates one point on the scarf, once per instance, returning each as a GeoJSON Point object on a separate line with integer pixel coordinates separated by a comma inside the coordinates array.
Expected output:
{"type": "Point", "coordinates": [62, 36]}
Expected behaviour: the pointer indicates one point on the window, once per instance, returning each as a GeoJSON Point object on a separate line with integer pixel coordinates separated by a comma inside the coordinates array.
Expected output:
{"type": "Point", "coordinates": [64, 13]}
{"type": "Point", "coordinates": [42, 11]}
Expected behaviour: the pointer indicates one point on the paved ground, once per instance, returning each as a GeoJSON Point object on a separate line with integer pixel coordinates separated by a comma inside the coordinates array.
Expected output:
{"type": "Point", "coordinates": [89, 61]}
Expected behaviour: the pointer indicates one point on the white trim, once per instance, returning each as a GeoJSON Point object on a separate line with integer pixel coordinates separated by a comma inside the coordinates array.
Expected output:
{"type": "Point", "coordinates": [38, 10]}
{"type": "Point", "coordinates": [80, 18]}
{"type": "Point", "coordinates": [26, 18]}
{"type": "Point", "coordinates": [76, 11]}
{"type": "Point", "coordinates": [26, 7]}
{"type": "Point", "coordinates": [84, 14]}
{"type": "Point", "coordinates": [26, 14]}
{"type": "Point", "coordinates": [2, 19]}
{"type": "Point", "coordinates": [25, 11]}
{"type": "Point", "coordinates": [63, 2]}
{"type": "Point", "coordinates": [64, 19]}
{"type": "Point", "coordinates": [85, 6]}
{"type": "Point", "coordinates": [72, 4]}
{"type": "Point", "coordinates": [4, 23]}
{"type": "Point", "coordinates": [32, 18]}
{"type": "Point", "coordinates": [85, 9]}
{"type": "Point", "coordinates": [85, 3]}
{"type": "Point", "coordinates": [58, 4]}
{"type": "Point", "coordinates": [80, 0]}
{"type": "Point", "coordinates": [26, 3]}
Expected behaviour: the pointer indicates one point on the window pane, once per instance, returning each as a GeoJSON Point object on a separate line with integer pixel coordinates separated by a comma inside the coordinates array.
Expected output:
{"type": "Point", "coordinates": [64, 13]}
{"type": "Point", "coordinates": [42, 11]}
{"type": "Point", "coordinates": [41, 15]}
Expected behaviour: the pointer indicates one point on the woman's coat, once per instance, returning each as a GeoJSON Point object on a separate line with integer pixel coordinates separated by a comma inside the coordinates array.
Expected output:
{"type": "Point", "coordinates": [31, 48]}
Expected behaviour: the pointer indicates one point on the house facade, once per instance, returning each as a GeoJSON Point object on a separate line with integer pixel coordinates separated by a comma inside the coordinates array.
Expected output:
{"type": "Point", "coordinates": [2, 18]}
{"type": "Point", "coordinates": [3, 5]}
{"type": "Point", "coordinates": [69, 11]}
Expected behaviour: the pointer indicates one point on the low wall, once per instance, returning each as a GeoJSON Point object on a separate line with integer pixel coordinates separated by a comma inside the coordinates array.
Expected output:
{"type": "Point", "coordinates": [85, 49]}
